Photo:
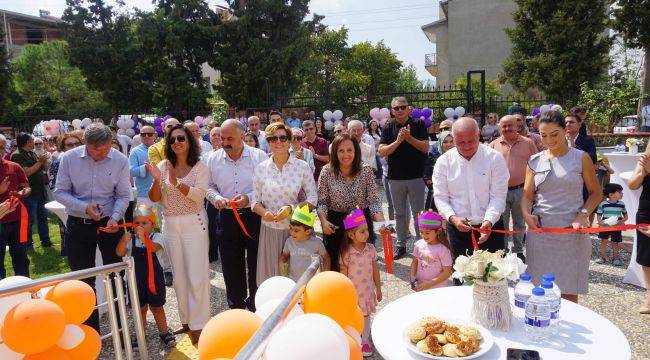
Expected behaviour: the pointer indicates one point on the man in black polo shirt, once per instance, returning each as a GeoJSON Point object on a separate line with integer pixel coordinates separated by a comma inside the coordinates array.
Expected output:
{"type": "Point", "coordinates": [405, 142]}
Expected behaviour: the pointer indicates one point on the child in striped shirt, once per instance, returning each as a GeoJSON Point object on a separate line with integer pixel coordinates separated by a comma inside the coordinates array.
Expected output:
{"type": "Point", "coordinates": [612, 207]}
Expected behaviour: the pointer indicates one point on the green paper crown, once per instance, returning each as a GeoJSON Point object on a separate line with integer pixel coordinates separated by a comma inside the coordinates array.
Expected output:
{"type": "Point", "coordinates": [304, 216]}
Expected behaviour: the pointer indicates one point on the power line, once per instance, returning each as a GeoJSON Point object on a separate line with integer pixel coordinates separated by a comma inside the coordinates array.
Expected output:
{"type": "Point", "coordinates": [378, 10]}
{"type": "Point", "coordinates": [383, 20]}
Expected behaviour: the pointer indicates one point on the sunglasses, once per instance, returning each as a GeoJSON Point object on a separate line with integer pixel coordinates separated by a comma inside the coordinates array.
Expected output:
{"type": "Point", "coordinates": [401, 107]}
{"type": "Point", "coordinates": [180, 138]}
{"type": "Point", "coordinates": [147, 134]}
{"type": "Point", "coordinates": [297, 138]}
{"type": "Point", "coordinates": [337, 131]}
{"type": "Point", "coordinates": [444, 128]}
{"type": "Point", "coordinates": [273, 139]}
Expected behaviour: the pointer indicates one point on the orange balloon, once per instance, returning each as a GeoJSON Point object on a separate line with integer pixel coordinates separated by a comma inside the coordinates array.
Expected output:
{"type": "Point", "coordinates": [33, 326]}
{"type": "Point", "coordinates": [357, 320]}
{"type": "Point", "coordinates": [76, 298]}
{"type": "Point", "coordinates": [53, 353]}
{"type": "Point", "coordinates": [355, 348]}
{"type": "Point", "coordinates": [332, 294]}
{"type": "Point", "coordinates": [89, 347]}
{"type": "Point", "coordinates": [225, 334]}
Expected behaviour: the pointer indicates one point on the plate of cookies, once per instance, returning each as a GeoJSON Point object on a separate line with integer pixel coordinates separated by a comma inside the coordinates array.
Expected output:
{"type": "Point", "coordinates": [437, 338]}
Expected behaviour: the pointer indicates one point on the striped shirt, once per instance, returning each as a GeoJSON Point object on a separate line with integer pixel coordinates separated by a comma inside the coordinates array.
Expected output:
{"type": "Point", "coordinates": [609, 209]}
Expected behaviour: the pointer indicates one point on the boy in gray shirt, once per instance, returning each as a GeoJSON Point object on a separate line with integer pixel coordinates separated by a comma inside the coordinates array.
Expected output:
{"type": "Point", "coordinates": [301, 245]}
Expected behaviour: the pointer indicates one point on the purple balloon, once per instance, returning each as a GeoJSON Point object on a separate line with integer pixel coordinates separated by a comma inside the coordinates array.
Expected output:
{"type": "Point", "coordinates": [416, 113]}
{"type": "Point", "coordinates": [455, 117]}
{"type": "Point", "coordinates": [158, 121]}
{"type": "Point", "coordinates": [426, 112]}
{"type": "Point", "coordinates": [537, 111]}
{"type": "Point", "coordinates": [159, 130]}
{"type": "Point", "coordinates": [427, 122]}
{"type": "Point", "coordinates": [136, 129]}
{"type": "Point", "coordinates": [167, 117]}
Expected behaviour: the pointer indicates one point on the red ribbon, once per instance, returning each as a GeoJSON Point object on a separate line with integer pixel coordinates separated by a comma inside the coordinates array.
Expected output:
{"type": "Point", "coordinates": [233, 205]}
{"type": "Point", "coordinates": [148, 244]}
{"type": "Point", "coordinates": [387, 242]}
{"type": "Point", "coordinates": [24, 218]}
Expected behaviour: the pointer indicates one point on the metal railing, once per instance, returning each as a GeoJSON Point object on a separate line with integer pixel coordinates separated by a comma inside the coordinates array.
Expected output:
{"type": "Point", "coordinates": [109, 282]}
{"type": "Point", "coordinates": [256, 345]}
{"type": "Point", "coordinates": [430, 60]}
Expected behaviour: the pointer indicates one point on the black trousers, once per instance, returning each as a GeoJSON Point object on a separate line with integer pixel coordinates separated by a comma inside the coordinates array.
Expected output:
{"type": "Point", "coordinates": [333, 242]}
{"type": "Point", "coordinates": [81, 243]}
{"type": "Point", "coordinates": [461, 242]}
{"type": "Point", "coordinates": [239, 254]}
{"type": "Point", "coordinates": [213, 226]}
{"type": "Point", "coordinates": [10, 235]}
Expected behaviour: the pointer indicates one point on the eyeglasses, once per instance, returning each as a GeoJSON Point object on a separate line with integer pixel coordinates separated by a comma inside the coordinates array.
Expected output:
{"type": "Point", "coordinates": [298, 138]}
{"type": "Point", "coordinates": [444, 128]}
{"type": "Point", "coordinates": [309, 129]}
{"type": "Point", "coordinates": [38, 144]}
{"type": "Point", "coordinates": [180, 138]}
{"type": "Point", "coordinates": [147, 134]}
{"type": "Point", "coordinates": [273, 139]}
{"type": "Point", "coordinates": [72, 144]}
{"type": "Point", "coordinates": [401, 107]}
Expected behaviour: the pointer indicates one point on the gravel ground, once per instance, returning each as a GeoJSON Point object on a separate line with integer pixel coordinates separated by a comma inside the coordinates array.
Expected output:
{"type": "Point", "coordinates": [607, 296]}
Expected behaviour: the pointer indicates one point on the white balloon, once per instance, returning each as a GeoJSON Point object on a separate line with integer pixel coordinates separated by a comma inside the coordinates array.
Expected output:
{"type": "Point", "coordinates": [354, 334]}
{"type": "Point", "coordinates": [309, 336]}
{"type": "Point", "coordinates": [7, 354]}
{"type": "Point", "coordinates": [460, 111]}
{"type": "Point", "coordinates": [276, 287]}
{"type": "Point", "coordinates": [8, 302]}
{"type": "Point", "coordinates": [557, 107]}
{"type": "Point", "coordinates": [329, 125]}
{"type": "Point", "coordinates": [43, 291]}
{"type": "Point", "coordinates": [337, 114]}
{"type": "Point", "coordinates": [327, 115]}
{"type": "Point", "coordinates": [384, 113]}
{"type": "Point", "coordinates": [338, 122]}
{"type": "Point", "coordinates": [129, 132]}
{"type": "Point", "coordinates": [72, 336]}
{"type": "Point", "coordinates": [76, 123]}
{"type": "Point", "coordinates": [544, 108]}
{"type": "Point", "coordinates": [129, 123]}
{"type": "Point", "coordinates": [374, 113]}
{"type": "Point", "coordinates": [268, 307]}
{"type": "Point", "coordinates": [449, 113]}
{"type": "Point", "coordinates": [119, 123]}
{"type": "Point", "coordinates": [121, 131]}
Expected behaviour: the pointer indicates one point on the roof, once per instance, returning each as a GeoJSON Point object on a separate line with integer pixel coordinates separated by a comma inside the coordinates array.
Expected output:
{"type": "Point", "coordinates": [41, 19]}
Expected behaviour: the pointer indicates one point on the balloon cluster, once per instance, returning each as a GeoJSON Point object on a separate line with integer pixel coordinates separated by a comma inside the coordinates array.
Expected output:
{"type": "Point", "coordinates": [325, 325]}
{"type": "Point", "coordinates": [332, 118]}
{"type": "Point", "coordinates": [424, 114]}
{"type": "Point", "coordinates": [453, 114]}
{"type": "Point", "coordinates": [128, 127]}
{"type": "Point", "coordinates": [380, 115]}
{"type": "Point", "coordinates": [48, 327]}
{"type": "Point", "coordinates": [544, 108]}
{"type": "Point", "coordinates": [81, 124]}
{"type": "Point", "coordinates": [51, 127]}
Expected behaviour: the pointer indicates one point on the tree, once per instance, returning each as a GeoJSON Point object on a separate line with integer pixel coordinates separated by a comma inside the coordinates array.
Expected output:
{"type": "Point", "coordinates": [5, 76]}
{"type": "Point", "coordinates": [176, 39]}
{"type": "Point", "coordinates": [261, 50]}
{"type": "Point", "coordinates": [48, 84]}
{"type": "Point", "coordinates": [376, 66]}
{"type": "Point", "coordinates": [632, 20]}
{"type": "Point", "coordinates": [608, 102]}
{"type": "Point", "coordinates": [556, 46]}
{"type": "Point", "coordinates": [492, 88]}
{"type": "Point", "coordinates": [102, 44]}
{"type": "Point", "coordinates": [407, 80]}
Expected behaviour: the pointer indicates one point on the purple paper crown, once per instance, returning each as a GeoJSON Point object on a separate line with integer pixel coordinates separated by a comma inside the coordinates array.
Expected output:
{"type": "Point", "coordinates": [430, 220]}
{"type": "Point", "coordinates": [354, 219]}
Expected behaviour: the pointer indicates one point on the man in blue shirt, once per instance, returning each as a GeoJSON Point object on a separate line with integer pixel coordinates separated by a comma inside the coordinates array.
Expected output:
{"type": "Point", "coordinates": [93, 185]}
{"type": "Point", "coordinates": [293, 121]}
{"type": "Point", "coordinates": [138, 157]}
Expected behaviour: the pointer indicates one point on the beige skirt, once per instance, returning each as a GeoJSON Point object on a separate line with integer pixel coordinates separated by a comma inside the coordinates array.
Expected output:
{"type": "Point", "coordinates": [268, 252]}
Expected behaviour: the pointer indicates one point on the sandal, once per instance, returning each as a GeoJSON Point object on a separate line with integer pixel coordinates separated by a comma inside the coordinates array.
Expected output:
{"type": "Point", "coordinates": [617, 262]}
{"type": "Point", "coordinates": [185, 328]}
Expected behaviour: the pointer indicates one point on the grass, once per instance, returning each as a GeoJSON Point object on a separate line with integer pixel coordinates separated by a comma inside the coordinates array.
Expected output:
{"type": "Point", "coordinates": [43, 262]}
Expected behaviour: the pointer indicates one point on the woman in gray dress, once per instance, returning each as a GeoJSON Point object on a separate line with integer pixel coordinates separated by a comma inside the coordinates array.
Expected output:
{"type": "Point", "coordinates": [554, 181]}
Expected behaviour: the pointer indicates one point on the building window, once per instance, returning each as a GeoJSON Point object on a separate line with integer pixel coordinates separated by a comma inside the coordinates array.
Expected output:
{"type": "Point", "coordinates": [34, 36]}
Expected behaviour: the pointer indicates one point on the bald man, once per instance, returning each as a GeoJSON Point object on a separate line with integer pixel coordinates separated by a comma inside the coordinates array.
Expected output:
{"type": "Point", "coordinates": [157, 150]}
{"type": "Point", "coordinates": [470, 183]}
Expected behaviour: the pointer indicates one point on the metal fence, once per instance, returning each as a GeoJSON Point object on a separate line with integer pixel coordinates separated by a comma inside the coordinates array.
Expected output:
{"type": "Point", "coordinates": [112, 279]}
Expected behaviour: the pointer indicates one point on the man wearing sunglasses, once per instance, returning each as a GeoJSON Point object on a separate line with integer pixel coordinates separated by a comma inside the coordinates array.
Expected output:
{"type": "Point", "coordinates": [405, 142]}
{"type": "Point", "coordinates": [138, 157]}
{"type": "Point", "coordinates": [157, 150]}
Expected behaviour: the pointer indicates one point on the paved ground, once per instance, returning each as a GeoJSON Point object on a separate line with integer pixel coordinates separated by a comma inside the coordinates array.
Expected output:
{"type": "Point", "coordinates": [607, 296]}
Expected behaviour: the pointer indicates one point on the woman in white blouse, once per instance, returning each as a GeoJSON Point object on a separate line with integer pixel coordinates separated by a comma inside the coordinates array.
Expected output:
{"type": "Point", "coordinates": [180, 184]}
{"type": "Point", "coordinates": [277, 183]}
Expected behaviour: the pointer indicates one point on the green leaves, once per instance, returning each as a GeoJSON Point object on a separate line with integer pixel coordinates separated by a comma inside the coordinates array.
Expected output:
{"type": "Point", "coordinates": [609, 102]}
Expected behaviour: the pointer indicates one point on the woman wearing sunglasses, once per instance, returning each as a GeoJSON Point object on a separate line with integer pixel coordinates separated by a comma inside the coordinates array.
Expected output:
{"type": "Point", "coordinates": [180, 183]}
{"type": "Point", "coordinates": [296, 150]}
{"type": "Point", "coordinates": [276, 185]}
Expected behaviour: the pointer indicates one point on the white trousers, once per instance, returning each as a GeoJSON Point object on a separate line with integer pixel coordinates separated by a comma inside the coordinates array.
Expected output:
{"type": "Point", "coordinates": [186, 238]}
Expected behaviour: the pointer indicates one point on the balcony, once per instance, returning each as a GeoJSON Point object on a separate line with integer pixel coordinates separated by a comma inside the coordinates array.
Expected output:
{"type": "Point", "coordinates": [430, 64]}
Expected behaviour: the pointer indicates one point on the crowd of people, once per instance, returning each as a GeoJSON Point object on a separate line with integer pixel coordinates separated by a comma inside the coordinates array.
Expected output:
{"type": "Point", "coordinates": [250, 198]}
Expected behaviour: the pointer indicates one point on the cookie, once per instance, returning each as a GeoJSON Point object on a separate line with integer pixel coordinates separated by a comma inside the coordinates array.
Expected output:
{"type": "Point", "coordinates": [449, 350]}
{"type": "Point", "coordinates": [452, 337]}
{"type": "Point", "coordinates": [465, 348]}
{"type": "Point", "coordinates": [415, 333]}
{"type": "Point", "coordinates": [432, 344]}
{"type": "Point", "coordinates": [435, 327]}
{"type": "Point", "coordinates": [470, 331]}
{"type": "Point", "coordinates": [442, 339]}
{"type": "Point", "coordinates": [422, 346]}
{"type": "Point", "coordinates": [427, 319]}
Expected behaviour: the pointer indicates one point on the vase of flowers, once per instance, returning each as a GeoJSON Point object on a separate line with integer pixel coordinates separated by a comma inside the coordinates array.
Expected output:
{"type": "Point", "coordinates": [488, 273]}
{"type": "Point", "coordinates": [633, 145]}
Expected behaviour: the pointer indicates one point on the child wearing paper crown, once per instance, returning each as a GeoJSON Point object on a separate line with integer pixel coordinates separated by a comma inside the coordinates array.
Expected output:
{"type": "Point", "coordinates": [431, 266]}
{"type": "Point", "coordinates": [301, 245]}
{"type": "Point", "coordinates": [144, 221]}
{"type": "Point", "coordinates": [358, 261]}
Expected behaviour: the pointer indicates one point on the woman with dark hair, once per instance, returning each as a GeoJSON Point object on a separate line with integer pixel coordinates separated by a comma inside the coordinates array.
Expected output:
{"type": "Point", "coordinates": [180, 183]}
{"type": "Point", "coordinates": [252, 140]}
{"type": "Point", "coordinates": [345, 184]}
{"type": "Point", "coordinates": [320, 129]}
{"type": "Point", "coordinates": [374, 130]}
{"type": "Point", "coordinates": [553, 198]}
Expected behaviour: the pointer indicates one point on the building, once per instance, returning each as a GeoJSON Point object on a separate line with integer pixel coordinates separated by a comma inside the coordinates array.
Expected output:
{"type": "Point", "coordinates": [22, 29]}
{"type": "Point", "coordinates": [469, 36]}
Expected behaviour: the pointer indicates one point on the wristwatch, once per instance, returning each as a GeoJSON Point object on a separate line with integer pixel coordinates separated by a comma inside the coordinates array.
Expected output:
{"type": "Point", "coordinates": [584, 211]}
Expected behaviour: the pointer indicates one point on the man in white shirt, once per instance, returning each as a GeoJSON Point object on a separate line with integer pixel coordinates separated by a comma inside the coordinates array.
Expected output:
{"type": "Point", "coordinates": [125, 141]}
{"type": "Point", "coordinates": [204, 146]}
{"type": "Point", "coordinates": [355, 129]}
{"type": "Point", "coordinates": [470, 184]}
{"type": "Point", "coordinates": [231, 180]}
{"type": "Point", "coordinates": [254, 127]}
{"type": "Point", "coordinates": [215, 138]}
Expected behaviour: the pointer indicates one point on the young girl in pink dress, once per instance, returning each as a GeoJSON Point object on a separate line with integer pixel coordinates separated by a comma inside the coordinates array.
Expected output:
{"type": "Point", "coordinates": [358, 261]}
{"type": "Point", "coordinates": [431, 266]}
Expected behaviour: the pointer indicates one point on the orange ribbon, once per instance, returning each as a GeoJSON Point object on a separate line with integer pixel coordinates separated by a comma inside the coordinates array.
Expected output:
{"type": "Point", "coordinates": [235, 211]}
{"type": "Point", "coordinates": [148, 244]}
{"type": "Point", "coordinates": [557, 230]}
{"type": "Point", "coordinates": [24, 218]}
{"type": "Point", "coordinates": [387, 242]}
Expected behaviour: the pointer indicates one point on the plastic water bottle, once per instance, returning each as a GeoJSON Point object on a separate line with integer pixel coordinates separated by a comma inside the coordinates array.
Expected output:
{"type": "Point", "coordinates": [557, 291]}
{"type": "Point", "coordinates": [538, 316]}
{"type": "Point", "coordinates": [522, 294]}
{"type": "Point", "coordinates": [553, 303]}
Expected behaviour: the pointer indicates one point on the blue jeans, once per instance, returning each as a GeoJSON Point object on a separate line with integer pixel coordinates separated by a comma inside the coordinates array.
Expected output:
{"type": "Point", "coordinates": [36, 210]}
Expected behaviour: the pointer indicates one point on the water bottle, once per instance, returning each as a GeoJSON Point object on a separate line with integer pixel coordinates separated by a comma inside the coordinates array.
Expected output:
{"type": "Point", "coordinates": [557, 291]}
{"type": "Point", "coordinates": [522, 294]}
{"type": "Point", "coordinates": [538, 316]}
{"type": "Point", "coordinates": [553, 303]}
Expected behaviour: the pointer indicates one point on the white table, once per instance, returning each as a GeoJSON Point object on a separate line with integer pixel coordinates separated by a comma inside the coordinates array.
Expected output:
{"type": "Point", "coordinates": [623, 164]}
{"type": "Point", "coordinates": [583, 333]}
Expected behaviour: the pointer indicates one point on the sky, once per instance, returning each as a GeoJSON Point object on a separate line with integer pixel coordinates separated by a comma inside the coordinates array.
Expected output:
{"type": "Point", "coordinates": [396, 23]}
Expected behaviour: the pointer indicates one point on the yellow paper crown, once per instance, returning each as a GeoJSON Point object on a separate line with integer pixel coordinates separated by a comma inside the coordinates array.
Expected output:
{"type": "Point", "coordinates": [304, 216]}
